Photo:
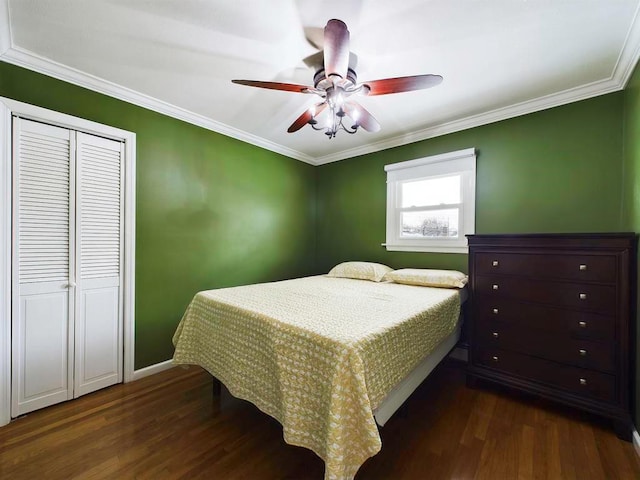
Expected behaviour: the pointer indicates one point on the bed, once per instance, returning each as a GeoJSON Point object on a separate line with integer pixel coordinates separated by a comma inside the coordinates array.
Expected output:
{"type": "Point", "coordinates": [326, 356]}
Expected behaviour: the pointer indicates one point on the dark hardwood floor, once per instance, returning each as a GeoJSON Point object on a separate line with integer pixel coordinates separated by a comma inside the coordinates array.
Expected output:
{"type": "Point", "coordinates": [167, 426]}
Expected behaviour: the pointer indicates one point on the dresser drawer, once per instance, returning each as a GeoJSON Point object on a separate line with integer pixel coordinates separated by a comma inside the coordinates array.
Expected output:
{"type": "Point", "coordinates": [532, 316]}
{"type": "Point", "coordinates": [589, 297]}
{"type": "Point", "coordinates": [580, 353]}
{"type": "Point", "coordinates": [581, 268]}
{"type": "Point", "coordinates": [578, 380]}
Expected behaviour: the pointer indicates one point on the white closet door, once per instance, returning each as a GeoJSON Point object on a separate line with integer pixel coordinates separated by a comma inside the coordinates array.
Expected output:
{"type": "Point", "coordinates": [99, 349]}
{"type": "Point", "coordinates": [42, 320]}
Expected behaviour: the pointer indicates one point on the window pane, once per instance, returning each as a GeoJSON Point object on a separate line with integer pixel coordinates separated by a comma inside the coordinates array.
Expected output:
{"type": "Point", "coordinates": [431, 191]}
{"type": "Point", "coordinates": [431, 224]}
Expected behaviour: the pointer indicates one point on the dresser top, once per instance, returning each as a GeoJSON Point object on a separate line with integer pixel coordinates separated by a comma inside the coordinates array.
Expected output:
{"type": "Point", "coordinates": [554, 240]}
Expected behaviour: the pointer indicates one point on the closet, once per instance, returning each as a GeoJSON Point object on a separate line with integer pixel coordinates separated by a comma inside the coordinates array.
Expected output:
{"type": "Point", "coordinates": [67, 264]}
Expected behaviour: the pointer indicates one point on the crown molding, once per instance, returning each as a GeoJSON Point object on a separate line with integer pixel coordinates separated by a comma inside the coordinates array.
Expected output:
{"type": "Point", "coordinates": [630, 53]}
{"type": "Point", "coordinates": [37, 63]}
{"type": "Point", "coordinates": [542, 103]}
{"type": "Point", "coordinates": [5, 27]}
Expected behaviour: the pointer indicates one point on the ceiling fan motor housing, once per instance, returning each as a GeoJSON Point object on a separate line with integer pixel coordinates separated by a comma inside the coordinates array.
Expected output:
{"type": "Point", "coordinates": [321, 82]}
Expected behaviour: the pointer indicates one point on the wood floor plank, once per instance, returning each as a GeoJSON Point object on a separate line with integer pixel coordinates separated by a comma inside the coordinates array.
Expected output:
{"type": "Point", "coordinates": [526, 453]}
{"type": "Point", "coordinates": [615, 461]}
{"type": "Point", "coordinates": [554, 466]}
{"type": "Point", "coordinates": [566, 439]}
{"type": "Point", "coordinates": [481, 415]}
{"type": "Point", "coordinates": [466, 459]}
{"type": "Point", "coordinates": [170, 426]}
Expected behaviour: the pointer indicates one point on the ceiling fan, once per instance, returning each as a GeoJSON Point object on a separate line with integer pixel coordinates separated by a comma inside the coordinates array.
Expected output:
{"type": "Point", "coordinates": [335, 82]}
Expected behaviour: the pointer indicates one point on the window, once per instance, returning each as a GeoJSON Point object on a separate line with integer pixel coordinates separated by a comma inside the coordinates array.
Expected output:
{"type": "Point", "coordinates": [431, 203]}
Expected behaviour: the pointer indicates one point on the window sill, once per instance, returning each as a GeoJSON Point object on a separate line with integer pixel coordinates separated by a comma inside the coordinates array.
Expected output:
{"type": "Point", "coordinates": [426, 248]}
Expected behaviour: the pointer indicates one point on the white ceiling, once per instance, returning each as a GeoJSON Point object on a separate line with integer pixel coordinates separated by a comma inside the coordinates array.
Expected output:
{"type": "Point", "coordinates": [499, 59]}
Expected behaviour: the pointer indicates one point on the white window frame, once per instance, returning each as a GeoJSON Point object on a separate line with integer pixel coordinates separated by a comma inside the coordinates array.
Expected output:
{"type": "Point", "coordinates": [459, 162]}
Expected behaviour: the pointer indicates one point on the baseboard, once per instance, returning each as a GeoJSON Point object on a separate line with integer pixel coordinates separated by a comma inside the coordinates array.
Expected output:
{"type": "Point", "coordinates": [636, 441]}
{"type": "Point", "coordinates": [152, 369]}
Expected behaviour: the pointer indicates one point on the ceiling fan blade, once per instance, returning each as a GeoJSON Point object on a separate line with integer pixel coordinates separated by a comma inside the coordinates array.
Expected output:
{"type": "Point", "coordinates": [314, 61]}
{"type": "Point", "coordinates": [315, 36]}
{"type": "Point", "coordinates": [358, 114]}
{"type": "Point", "coordinates": [401, 84]}
{"type": "Point", "coordinates": [336, 48]}
{"type": "Point", "coordinates": [307, 115]}
{"type": "Point", "coordinates": [287, 87]}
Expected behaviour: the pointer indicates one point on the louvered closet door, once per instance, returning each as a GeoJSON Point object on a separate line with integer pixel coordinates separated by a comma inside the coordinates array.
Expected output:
{"type": "Point", "coordinates": [99, 350]}
{"type": "Point", "coordinates": [42, 297]}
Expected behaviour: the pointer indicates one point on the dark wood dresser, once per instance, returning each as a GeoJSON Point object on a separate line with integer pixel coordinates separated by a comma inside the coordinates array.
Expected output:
{"type": "Point", "coordinates": [551, 315]}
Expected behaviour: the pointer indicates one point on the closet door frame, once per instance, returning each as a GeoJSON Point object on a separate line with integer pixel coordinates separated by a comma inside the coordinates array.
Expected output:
{"type": "Point", "coordinates": [8, 108]}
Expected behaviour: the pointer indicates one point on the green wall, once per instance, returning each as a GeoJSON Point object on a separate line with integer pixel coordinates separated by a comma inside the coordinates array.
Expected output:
{"type": "Point", "coordinates": [631, 187]}
{"type": "Point", "coordinates": [559, 170]}
{"type": "Point", "coordinates": [211, 211]}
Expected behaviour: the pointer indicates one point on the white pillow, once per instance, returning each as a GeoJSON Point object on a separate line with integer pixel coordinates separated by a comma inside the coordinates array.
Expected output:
{"type": "Point", "coordinates": [428, 277]}
{"type": "Point", "coordinates": [360, 270]}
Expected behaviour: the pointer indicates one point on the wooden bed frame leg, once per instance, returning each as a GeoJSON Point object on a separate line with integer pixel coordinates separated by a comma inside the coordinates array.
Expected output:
{"type": "Point", "coordinates": [217, 387]}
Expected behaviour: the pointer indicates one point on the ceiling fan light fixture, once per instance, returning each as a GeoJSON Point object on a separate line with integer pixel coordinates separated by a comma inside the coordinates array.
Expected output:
{"type": "Point", "coordinates": [335, 81]}
{"type": "Point", "coordinates": [334, 121]}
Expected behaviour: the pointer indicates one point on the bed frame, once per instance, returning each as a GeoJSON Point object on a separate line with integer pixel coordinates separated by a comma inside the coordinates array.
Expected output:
{"type": "Point", "coordinates": [401, 392]}
{"type": "Point", "coordinates": [396, 398]}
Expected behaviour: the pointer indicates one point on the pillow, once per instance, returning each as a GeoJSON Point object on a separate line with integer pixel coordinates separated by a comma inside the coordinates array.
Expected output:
{"type": "Point", "coordinates": [360, 270]}
{"type": "Point", "coordinates": [428, 278]}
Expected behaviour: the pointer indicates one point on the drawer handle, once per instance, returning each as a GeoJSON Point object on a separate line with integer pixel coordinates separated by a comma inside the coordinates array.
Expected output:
{"type": "Point", "coordinates": [582, 324]}
{"type": "Point", "coordinates": [582, 296]}
{"type": "Point", "coordinates": [583, 267]}
{"type": "Point", "coordinates": [495, 358]}
{"type": "Point", "coordinates": [495, 286]}
{"type": "Point", "coordinates": [583, 381]}
{"type": "Point", "coordinates": [495, 263]}
{"type": "Point", "coordinates": [582, 352]}
{"type": "Point", "coordinates": [495, 311]}
{"type": "Point", "coordinates": [495, 335]}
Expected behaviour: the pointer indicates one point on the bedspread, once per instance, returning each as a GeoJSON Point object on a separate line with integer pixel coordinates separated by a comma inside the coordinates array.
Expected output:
{"type": "Point", "coordinates": [317, 353]}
